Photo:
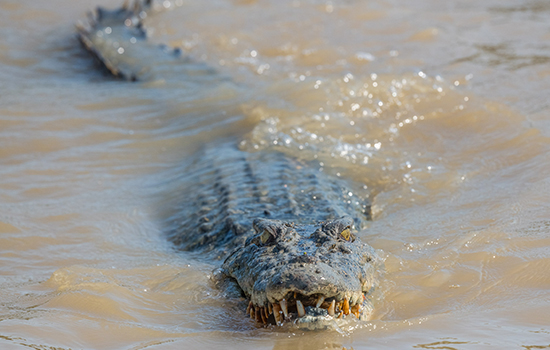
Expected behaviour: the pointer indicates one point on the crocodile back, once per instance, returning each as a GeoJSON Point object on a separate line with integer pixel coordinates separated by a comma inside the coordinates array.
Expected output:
{"type": "Point", "coordinates": [225, 189]}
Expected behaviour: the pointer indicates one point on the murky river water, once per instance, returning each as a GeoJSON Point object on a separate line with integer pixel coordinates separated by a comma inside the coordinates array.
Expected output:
{"type": "Point", "coordinates": [439, 108]}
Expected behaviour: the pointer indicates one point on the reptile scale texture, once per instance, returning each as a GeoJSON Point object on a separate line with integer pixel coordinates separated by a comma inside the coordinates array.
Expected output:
{"type": "Point", "coordinates": [282, 228]}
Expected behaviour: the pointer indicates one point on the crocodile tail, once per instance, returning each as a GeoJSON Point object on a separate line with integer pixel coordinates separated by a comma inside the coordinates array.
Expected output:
{"type": "Point", "coordinates": [106, 34]}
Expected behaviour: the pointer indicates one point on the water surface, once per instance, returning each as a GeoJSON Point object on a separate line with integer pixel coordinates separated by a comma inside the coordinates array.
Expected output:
{"type": "Point", "coordinates": [439, 108]}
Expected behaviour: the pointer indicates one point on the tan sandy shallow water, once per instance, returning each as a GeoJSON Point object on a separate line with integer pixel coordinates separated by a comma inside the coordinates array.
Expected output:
{"type": "Point", "coordinates": [440, 108]}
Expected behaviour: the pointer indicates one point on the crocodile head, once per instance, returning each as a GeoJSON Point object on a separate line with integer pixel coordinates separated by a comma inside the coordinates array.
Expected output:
{"type": "Point", "coordinates": [308, 274]}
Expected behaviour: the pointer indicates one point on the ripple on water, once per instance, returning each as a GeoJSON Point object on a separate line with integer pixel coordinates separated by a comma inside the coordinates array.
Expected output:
{"type": "Point", "coordinates": [460, 185]}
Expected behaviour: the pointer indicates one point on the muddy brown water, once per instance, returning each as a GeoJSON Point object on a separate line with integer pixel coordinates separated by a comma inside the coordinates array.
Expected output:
{"type": "Point", "coordinates": [440, 108]}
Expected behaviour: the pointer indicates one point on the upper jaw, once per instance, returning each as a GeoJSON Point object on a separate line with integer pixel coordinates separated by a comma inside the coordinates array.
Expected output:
{"type": "Point", "coordinates": [306, 282]}
{"type": "Point", "coordinates": [314, 311]}
{"type": "Point", "coordinates": [310, 297]}
{"type": "Point", "coordinates": [311, 300]}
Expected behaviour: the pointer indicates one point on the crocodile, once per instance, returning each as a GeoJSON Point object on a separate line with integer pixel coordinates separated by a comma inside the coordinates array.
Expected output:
{"type": "Point", "coordinates": [283, 229]}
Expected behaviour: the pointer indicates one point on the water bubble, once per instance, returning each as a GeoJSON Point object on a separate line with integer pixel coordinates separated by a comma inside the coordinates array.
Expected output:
{"type": "Point", "coordinates": [262, 68]}
{"type": "Point", "coordinates": [364, 56]}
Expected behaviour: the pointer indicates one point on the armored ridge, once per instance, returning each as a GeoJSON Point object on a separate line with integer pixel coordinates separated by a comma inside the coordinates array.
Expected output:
{"type": "Point", "coordinates": [227, 189]}
{"type": "Point", "coordinates": [118, 40]}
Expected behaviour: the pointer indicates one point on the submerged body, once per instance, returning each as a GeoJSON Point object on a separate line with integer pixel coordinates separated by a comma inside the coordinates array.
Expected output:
{"type": "Point", "coordinates": [288, 230]}
{"type": "Point", "coordinates": [283, 227]}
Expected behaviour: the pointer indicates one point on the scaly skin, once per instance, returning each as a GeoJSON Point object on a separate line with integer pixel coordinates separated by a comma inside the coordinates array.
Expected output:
{"type": "Point", "coordinates": [283, 227]}
{"type": "Point", "coordinates": [321, 266]}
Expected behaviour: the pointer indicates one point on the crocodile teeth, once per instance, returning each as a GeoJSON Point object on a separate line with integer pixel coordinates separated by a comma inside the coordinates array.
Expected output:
{"type": "Point", "coordinates": [346, 306]}
{"type": "Point", "coordinates": [356, 310]}
{"type": "Point", "coordinates": [280, 310]}
{"type": "Point", "coordinates": [331, 308]}
{"type": "Point", "coordinates": [262, 315]}
{"type": "Point", "coordinates": [284, 307]}
{"type": "Point", "coordinates": [300, 307]}
{"type": "Point", "coordinates": [277, 313]}
{"type": "Point", "coordinates": [320, 301]}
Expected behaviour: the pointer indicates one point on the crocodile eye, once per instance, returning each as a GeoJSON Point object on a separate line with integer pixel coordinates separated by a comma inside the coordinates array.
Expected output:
{"type": "Point", "coordinates": [346, 234]}
{"type": "Point", "coordinates": [265, 237]}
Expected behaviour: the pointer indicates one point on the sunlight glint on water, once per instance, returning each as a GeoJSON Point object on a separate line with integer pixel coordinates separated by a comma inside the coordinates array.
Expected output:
{"type": "Point", "coordinates": [439, 109]}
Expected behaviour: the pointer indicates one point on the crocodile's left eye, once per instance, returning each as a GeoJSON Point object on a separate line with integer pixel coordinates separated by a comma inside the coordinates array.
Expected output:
{"type": "Point", "coordinates": [346, 234]}
{"type": "Point", "coordinates": [266, 237]}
